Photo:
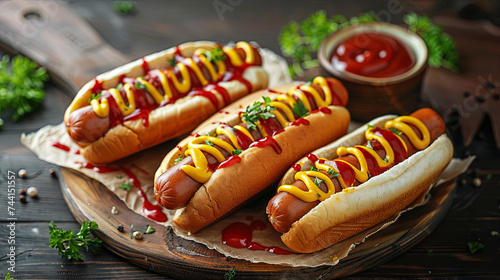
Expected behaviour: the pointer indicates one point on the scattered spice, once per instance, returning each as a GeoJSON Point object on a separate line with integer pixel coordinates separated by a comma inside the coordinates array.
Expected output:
{"type": "Point", "coordinates": [22, 173]}
{"type": "Point", "coordinates": [52, 173]}
{"type": "Point", "coordinates": [22, 192]}
{"type": "Point", "coordinates": [137, 235]}
{"type": "Point", "coordinates": [150, 230]}
{"type": "Point", "coordinates": [120, 228]}
{"type": "Point", "coordinates": [32, 191]}
{"type": "Point", "coordinates": [474, 246]}
{"type": "Point", "coordinates": [22, 198]}
{"type": "Point", "coordinates": [477, 182]}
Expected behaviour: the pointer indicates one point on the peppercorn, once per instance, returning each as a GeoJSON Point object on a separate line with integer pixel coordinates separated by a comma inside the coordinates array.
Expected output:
{"type": "Point", "coordinates": [22, 198]}
{"type": "Point", "coordinates": [120, 228]}
{"type": "Point", "coordinates": [52, 173]}
{"type": "Point", "coordinates": [22, 173]}
{"type": "Point", "coordinates": [32, 191]}
{"type": "Point", "coordinates": [477, 182]}
{"type": "Point", "coordinates": [22, 192]}
{"type": "Point", "coordinates": [137, 235]}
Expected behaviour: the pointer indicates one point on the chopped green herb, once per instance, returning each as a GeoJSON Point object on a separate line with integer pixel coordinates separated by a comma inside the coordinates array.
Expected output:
{"type": "Point", "coordinates": [474, 246]}
{"type": "Point", "coordinates": [7, 277]}
{"type": "Point", "coordinates": [95, 96]}
{"type": "Point", "coordinates": [172, 61]}
{"type": "Point", "coordinates": [21, 86]}
{"type": "Point", "coordinates": [489, 176]}
{"type": "Point", "coordinates": [215, 54]}
{"type": "Point", "coordinates": [258, 111]}
{"type": "Point", "coordinates": [237, 152]}
{"type": "Point", "coordinates": [126, 186]}
{"type": "Point", "coordinates": [333, 173]}
{"type": "Point", "coordinates": [119, 176]}
{"type": "Point", "coordinates": [177, 160]}
{"type": "Point", "coordinates": [314, 168]}
{"type": "Point", "coordinates": [119, 86]}
{"type": "Point", "coordinates": [369, 145]}
{"type": "Point", "coordinates": [229, 275]}
{"type": "Point", "coordinates": [150, 230]}
{"type": "Point", "coordinates": [124, 7]}
{"type": "Point", "coordinates": [494, 233]}
{"type": "Point", "coordinates": [395, 131]}
{"type": "Point", "coordinates": [299, 109]}
{"type": "Point", "coordinates": [318, 181]}
{"type": "Point", "coordinates": [209, 143]}
{"type": "Point", "coordinates": [139, 85]}
{"type": "Point", "coordinates": [429, 251]}
{"type": "Point", "coordinates": [318, 195]}
{"type": "Point", "coordinates": [132, 231]}
{"type": "Point", "coordinates": [69, 243]}
{"type": "Point", "coordinates": [442, 49]}
{"type": "Point", "coordinates": [214, 135]}
{"type": "Point", "coordinates": [369, 126]}
{"type": "Point", "coordinates": [386, 159]}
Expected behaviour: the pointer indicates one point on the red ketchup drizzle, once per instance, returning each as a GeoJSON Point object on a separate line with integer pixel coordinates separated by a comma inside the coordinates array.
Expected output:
{"type": "Point", "coordinates": [139, 114]}
{"type": "Point", "coordinates": [297, 167]}
{"type": "Point", "coordinates": [77, 152]}
{"type": "Point", "coordinates": [312, 157]}
{"type": "Point", "coordinates": [97, 88]}
{"type": "Point", "coordinates": [61, 146]}
{"type": "Point", "coordinates": [373, 168]}
{"type": "Point", "coordinates": [273, 91]}
{"type": "Point", "coordinates": [323, 110]}
{"type": "Point", "coordinates": [207, 94]}
{"type": "Point", "coordinates": [398, 148]}
{"type": "Point", "coordinates": [243, 140]}
{"type": "Point", "coordinates": [236, 73]}
{"type": "Point", "coordinates": [267, 141]}
{"type": "Point", "coordinates": [300, 121]}
{"type": "Point", "coordinates": [150, 210]}
{"type": "Point", "coordinates": [179, 148]}
{"type": "Point", "coordinates": [145, 66]}
{"type": "Point", "coordinates": [240, 235]}
{"type": "Point", "coordinates": [229, 161]}
{"type": "Point", "coordinates": [270, 125]}
{"type": "Point", "coordinates": [348, 174]}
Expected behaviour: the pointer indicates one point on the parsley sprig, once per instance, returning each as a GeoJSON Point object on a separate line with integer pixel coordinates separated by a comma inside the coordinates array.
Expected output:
{"type": "Point", "coordinates": [259, 110]}
{"type": "Point", "coordinates": [21, 86]}
{"type": "Point", "coordinates": [300, 41]}
{"type": "Point", "coordinates": [442, 50]}
{"type": "Point", "coordinates": [69, 243]}
{"type": "Point", "coordinates": [299, 109]}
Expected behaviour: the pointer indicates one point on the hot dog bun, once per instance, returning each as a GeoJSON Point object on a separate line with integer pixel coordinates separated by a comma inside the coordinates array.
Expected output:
{"type": "Point", "coordinates": [164, 122]}
{"type": "Point", "coordinates": [229, 188]}
{"type": "Point", "coordinates": [355, 209]}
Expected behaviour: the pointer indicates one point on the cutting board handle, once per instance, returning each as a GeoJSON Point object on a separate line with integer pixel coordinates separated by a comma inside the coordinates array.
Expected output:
{"type": "Point", "coordinates": [54, 35]}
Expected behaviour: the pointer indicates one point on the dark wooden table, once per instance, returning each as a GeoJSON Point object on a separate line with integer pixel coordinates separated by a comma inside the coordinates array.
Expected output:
{"type": "Point", "coordinates": [474, 214]}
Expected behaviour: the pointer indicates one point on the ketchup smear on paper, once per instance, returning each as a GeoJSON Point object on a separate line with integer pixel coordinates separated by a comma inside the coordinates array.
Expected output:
{"type": "Point", "coordinates": [239, 235]}
{"type": "Point", "coordinates": [154, 212]}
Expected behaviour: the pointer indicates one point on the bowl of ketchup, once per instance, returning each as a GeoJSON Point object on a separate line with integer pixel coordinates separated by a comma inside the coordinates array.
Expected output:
{"type": "Point", "coordinates": [381, 65]}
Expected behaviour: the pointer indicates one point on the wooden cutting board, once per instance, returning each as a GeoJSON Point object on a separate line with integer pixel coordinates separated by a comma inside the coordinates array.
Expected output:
{"type": "Point", "coordinates": [165, 253]}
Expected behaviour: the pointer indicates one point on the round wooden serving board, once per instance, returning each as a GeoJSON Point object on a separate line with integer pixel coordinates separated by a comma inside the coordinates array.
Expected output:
{"type": "Point", "coordinates": [165, 253]}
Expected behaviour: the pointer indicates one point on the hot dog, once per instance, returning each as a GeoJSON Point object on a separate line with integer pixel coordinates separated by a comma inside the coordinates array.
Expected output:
{"type": "Point", "coordinates": [234, 158]}
{"type": "Point", "coordinates": [159, 97]}
{"type": "Point", "coordinates": [336, 196]}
